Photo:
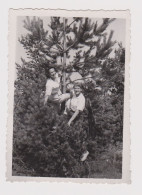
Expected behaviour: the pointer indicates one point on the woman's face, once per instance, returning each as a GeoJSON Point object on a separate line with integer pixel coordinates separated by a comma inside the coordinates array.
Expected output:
{"type": "Point", "coordinates": [52, 73]}
{"type": "Point", "coordinates": [77, 90]}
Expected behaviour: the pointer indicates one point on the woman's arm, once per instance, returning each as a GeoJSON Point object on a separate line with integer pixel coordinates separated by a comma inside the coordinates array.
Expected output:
{"type": "Point", "coordinates": [45, 99]}
{"type": "Point", "coordinates": [48, 91]}
{"type": "Point", "coordinates": [73, 117]}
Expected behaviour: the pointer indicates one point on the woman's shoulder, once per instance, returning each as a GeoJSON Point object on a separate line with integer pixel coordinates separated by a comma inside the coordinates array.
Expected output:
{"type": "Point", "coordinates": [81, 96]}
{"type": "Point", "coordinates": [48, 81]}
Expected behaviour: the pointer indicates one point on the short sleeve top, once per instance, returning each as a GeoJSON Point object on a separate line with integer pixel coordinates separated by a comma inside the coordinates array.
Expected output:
{"type": "Point", "coordinates": [53, 86]}
{"type": "Point", "coordinates": [77, 103]}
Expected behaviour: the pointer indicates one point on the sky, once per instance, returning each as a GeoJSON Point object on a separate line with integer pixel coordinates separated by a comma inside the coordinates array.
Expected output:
{"type": "Point", "coordinates": [118, 26]}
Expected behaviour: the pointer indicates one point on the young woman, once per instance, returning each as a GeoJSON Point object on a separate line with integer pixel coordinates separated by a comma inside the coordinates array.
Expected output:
{"type": "Point", "coordinates": [74, 106]}
{"type": "Point", "coordinates": [53, 92]}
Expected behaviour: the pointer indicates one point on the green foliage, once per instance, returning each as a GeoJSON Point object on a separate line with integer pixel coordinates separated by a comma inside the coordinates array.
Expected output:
{"type": "Point", "coordinates": [44, 47]}
{"type": "Point", "coordinates": [40, 149]}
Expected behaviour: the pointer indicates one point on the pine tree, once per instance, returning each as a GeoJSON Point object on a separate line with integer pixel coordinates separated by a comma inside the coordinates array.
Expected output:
{"type": "Point", "coordinates": [44, 48]}
{"type": "Point", "coordinates": [56, 153]}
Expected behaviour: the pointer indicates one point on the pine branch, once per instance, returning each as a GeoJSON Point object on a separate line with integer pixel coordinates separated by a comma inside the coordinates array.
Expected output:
{"type": "Point", "coordinates": [98, 30]}
{"type": "Point", "coordinates": [71, 46]}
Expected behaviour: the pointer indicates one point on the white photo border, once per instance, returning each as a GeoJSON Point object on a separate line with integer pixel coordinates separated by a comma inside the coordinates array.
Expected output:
{"type": "Point", "coordinates": [13, 14]}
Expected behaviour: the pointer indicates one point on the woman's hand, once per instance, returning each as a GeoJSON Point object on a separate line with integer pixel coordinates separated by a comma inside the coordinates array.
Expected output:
{"type": "Point", "coordinates": [69, 123]}
{"type": "Point", "coordinates": [45, 100]}
{"type": "Point", "coordinates": [73, 117]}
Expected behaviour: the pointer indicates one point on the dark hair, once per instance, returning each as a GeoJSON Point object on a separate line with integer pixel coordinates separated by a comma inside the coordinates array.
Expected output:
{"type": "Point", "coordinates": [48, 71]}
{"type": "Point", "coordinates": [77, 85]}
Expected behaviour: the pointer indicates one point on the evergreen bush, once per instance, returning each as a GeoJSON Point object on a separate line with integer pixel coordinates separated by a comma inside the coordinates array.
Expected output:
{"type": "Point", "coordinates": [40, 149]}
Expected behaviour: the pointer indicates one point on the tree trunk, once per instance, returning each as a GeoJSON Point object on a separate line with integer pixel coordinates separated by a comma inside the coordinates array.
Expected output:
{"type": "Point", "coordinates": [64, 57]}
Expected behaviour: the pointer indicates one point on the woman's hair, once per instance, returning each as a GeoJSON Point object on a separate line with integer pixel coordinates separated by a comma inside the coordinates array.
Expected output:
{"type": "Point", "coordinates": [48, 71]}
{"type": "Point", "coordinates": [78, 85]}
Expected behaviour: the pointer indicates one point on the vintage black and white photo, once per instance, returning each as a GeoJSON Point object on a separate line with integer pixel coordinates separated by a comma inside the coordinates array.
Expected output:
{"type": "Point", "coordinates": [69, 92]}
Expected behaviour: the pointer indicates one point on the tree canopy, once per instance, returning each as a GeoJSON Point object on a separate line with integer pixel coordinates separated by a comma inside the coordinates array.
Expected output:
{"type": "Point", "coordinates": [69, 44]}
